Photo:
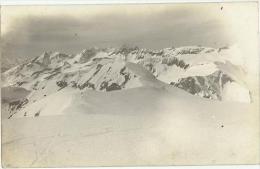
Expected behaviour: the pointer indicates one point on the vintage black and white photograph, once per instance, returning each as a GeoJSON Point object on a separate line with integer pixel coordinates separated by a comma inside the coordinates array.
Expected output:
{"type": "Point", "coordinates": [130, 84]}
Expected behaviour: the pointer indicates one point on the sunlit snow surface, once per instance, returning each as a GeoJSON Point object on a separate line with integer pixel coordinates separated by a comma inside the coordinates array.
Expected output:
{"type": "Point", "coordinates": [148, 122]}
{"type": "Point", "coordinates": [142, 126]}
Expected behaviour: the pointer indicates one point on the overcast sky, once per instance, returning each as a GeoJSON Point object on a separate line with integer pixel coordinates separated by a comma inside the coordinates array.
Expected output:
{"type": "Point", "coordinates": [27, 31]}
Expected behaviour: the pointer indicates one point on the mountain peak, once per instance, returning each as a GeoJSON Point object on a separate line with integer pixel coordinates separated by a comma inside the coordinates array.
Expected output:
{"type": "Point", "coordinates": [193, 69]}
{"type": "Point", "coordinates": [46, 59]}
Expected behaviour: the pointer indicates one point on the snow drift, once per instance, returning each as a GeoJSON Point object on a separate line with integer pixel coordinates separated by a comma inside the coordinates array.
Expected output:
{"type": "Point", "coordinates": [141, 126]}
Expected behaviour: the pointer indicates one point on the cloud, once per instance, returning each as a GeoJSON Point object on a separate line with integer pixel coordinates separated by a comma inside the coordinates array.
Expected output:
{"type": "Point", "coordinates": [31, 35]}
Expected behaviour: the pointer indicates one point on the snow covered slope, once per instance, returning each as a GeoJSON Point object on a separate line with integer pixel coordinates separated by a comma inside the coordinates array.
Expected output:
{"type": "Point", "coordinates": [128, 106]}
{"type": "Point", "coordinates": [140, 126]}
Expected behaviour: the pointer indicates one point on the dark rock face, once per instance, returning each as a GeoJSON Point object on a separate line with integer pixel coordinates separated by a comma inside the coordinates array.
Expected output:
{"type": "Point", "coordinates": [37, 114]}
{"type": "Point", "coordinates": [16, 105]}
{"type": "Point", "coordinates": [210, 86]}
{"type": "Point", "coordinates": [113, 86]}
{"type": "Point", "coordinates": [87, 85]}
{"type": "Point", "coordinates": [62, 84]}
{"type": "Point", "coordinates": [103, 85]}
{"type": "Point", "coordinates": [175, 61]}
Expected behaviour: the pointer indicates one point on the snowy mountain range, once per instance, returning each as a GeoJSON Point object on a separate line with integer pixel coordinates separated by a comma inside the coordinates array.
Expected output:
{"type": "Point", "coordinates": [205, 72]}
{"type": "Point", "coordinates": [129, 106]}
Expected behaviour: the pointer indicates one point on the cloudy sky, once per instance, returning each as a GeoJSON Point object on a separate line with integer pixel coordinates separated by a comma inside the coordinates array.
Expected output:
{"type": "Point", "coordinates": [27, 31]}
